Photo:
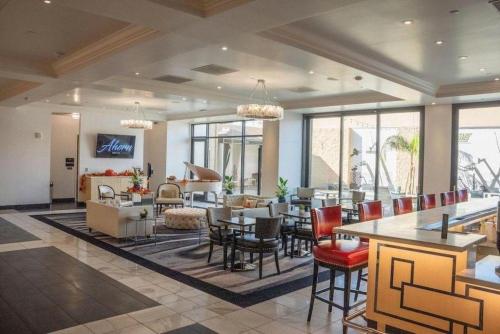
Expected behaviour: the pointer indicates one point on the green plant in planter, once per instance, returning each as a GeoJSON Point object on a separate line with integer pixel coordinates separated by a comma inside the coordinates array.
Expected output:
{"type": "Point", "coordinates": [143, 213]}
{"type": "Point", "coordinates": [282, 189]}
{"type": "Point", "coordinates": [228, 184]}
{"type": "Point", "coordinates": [302, 208]}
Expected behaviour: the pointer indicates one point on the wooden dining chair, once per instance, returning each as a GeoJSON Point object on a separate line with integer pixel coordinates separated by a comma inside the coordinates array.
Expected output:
{"type": "Point", "coordinates": [447, 198]}
{"type": "Point", "coordinates": [426, 202]}
{"type": "Point", "coordinates": [402, 205]}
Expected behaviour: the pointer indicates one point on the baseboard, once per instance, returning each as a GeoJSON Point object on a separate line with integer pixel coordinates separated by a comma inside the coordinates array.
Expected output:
{"type": "Point", "coordinates": [63, 200]}
{"type": "Point", "coordinates": [25, 206]}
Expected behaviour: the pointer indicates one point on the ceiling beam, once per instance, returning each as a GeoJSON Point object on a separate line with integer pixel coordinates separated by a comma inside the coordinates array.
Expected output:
{"type": "Point", "coordinates": [470, 88]}
{"type": "Point", "coordinates": [16, 87]}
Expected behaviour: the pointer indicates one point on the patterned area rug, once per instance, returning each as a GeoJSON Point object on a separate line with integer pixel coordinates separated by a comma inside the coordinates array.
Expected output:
{"type": "Point", "coordinates": [182, 255]}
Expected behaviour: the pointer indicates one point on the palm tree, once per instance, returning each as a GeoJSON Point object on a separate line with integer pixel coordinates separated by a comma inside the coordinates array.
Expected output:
{"type": "Point", "coordinates": [401, 144]}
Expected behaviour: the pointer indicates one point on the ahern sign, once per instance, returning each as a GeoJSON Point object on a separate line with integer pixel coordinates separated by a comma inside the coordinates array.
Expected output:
{"type": "Point", "coordinates": [115, 146]}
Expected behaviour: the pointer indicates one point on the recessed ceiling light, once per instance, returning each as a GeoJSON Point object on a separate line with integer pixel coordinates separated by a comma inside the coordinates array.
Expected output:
{"type": "Point", "coordinates": [137, 73]}
{"type": "Point", "coordinates": [497, 79]}
{"type": "Point", "coordinates": [224, 48]}
{"type": "Point", "coordinates": [47, 100]}
{"type": "Point", "coordinates": [219, 87]}
{"type": "Point", "coordinates": [407, 22]}
{"type": "Point", "coordinates": [48, 2]}
{"type": "Point", "coordinates": [433, 103]}
{"type": "Point", "coordinates": [184, 99]}
{"type": "Point", "coordinates": [311, 72]}
{"type": "Point", "coordinates": [462, 57]}
{"type": "Point", "coordinates": [482, 69]}
{"type": "Point", "coordinates": [439, 42]}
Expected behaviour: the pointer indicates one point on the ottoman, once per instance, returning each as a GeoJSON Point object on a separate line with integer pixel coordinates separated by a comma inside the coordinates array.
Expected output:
{"type": "Point", "coordinates": [186, 218]}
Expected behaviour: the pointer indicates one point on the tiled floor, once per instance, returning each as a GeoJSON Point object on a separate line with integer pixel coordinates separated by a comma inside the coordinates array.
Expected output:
{"type": "Point", "coordinates": [181, 308]}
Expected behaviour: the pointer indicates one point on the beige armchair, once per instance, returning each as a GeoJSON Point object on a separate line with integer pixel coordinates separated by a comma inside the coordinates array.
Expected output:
{"type": "Point", "coordinates": [168, 194]}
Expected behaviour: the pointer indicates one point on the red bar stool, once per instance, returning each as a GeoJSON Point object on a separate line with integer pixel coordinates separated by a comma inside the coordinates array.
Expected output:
{"type": "Point", "coordinates": [402, 205]}
{"type": "Point", "coordinates": [426, 202]}
{"type": "Point", "coordinates": [462, 195]}
{"type": "Point", "coordinates": [448, 198]}
{"type": "Point", "coordinates": [342, 255]}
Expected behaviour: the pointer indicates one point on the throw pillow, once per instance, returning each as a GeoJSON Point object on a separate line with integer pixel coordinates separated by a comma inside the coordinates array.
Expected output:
{"type": "Point", "coordinates": [250, 203]}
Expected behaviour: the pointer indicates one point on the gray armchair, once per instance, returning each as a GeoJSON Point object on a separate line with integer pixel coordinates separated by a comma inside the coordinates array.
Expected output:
{"type": "Point", "coordinates": [303, 196]}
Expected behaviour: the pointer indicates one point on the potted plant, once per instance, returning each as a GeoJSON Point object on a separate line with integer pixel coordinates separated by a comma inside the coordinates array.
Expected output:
{"type": "Point", "coordinates": [228, 184]}
{"type": "Point", "coordinates": [136, 179]}
{"type": "Point", "coordinates": [282, 189]}
{"type": "Point", "coordinates": [302, 209]}
{"type": "Point", "coordinates": [144, 213]}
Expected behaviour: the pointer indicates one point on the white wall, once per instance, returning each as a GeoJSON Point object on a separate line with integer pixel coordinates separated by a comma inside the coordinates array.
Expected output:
{"type": "Point", "coordinates": [155, 152]}
{"type": "Point", "coordinates": [178, 147]}
{"type": "Point", "coordinates": [64, 138]}
{"type": "Point", "coordinates": [437, 148]}
{"type": "Point", "coordinates": [270, 158]}
{"type": "Point", "coordinates": [24, 160]}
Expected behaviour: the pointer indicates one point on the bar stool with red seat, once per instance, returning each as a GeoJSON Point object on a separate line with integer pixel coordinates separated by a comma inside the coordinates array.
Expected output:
{"type": "Point", "coordinates": [426, 202]}
{"type": "Point", "coordinates": [462, 195]}
{"type": "Point", "coordinates": [346, 256]}
{"type": "Point", "coordinates": [402, 205]}
{"type": "Point", "coordinates": [448, 198]}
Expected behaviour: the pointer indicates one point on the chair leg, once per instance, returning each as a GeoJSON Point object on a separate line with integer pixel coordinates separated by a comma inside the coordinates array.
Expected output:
{"type": "Point", "coordinates": [292, 247]}
{"type": "Point", "coordinates": [277, 261]}
{"type": "Point", "coordinates": [347, 296]}
{"type": "Point", "coordinates": [313, 290]}
{"type": "Point", "coordinates": [210, 250]}
{"type": "Point", "coordinates": [285, 241]}
{"type": "Point", "coordinates": [251, 257]}
{"type": "Point", "coordinates": [233, 255]}
{"type": "Point", "coordinates": [225, 256]}
{"type": "Point", "coordinates": [358, 284]}
{"type": "Point", "coordinates": [261, 257]}
{"type": "Point", "coordinates": [332, 288]}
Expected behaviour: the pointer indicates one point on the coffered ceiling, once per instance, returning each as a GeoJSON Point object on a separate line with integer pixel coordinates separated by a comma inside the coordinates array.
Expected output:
{"type": "Point", "coordinates": [187, 58]}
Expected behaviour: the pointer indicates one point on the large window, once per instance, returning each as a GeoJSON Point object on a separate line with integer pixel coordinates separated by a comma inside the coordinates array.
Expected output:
{"type": "Point", "coordinates": [232, 149]}
{"type": "Point", "coordinates": [377, 153]}
{"type": "Point", "coordinates": [478, 150]}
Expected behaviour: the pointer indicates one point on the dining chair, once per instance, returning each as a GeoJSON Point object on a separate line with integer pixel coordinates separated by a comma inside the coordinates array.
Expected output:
{"type": "Point", "coordinates": [462, 195]}
{"type": "Point", "coordinates": [286, 225]}
{"type": "Point", "coordinates": [346, 256]}
{"type": "Point", "coordinates": [329, 202]}
{"type": "Point", "coordinates": [369, 210]}
{"type": "Point", "coordinates": [219, 233]}
{"type": "Point", "coordinates": [447, 198]}
{"type": "Point", "coordinates": [107, 192]}
{"type": "Point", "coordinates": [402, 205]}
{"type": "Point", "coordinates": [303, 196]}
{"type": "Point", "coordinates": [427, 201]}
{"type": "Point", "coordinates": [265, 239]}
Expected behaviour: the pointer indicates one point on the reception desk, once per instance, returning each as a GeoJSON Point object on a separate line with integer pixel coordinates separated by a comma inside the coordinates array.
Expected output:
{"type": "Point", "coordinates": [420, 283]}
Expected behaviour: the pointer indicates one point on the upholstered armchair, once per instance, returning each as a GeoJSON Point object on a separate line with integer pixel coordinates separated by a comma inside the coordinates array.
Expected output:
{"type": "Point", "coordinates": [168, 194]}
{"type": "Point", "coordinates": [107, 192]}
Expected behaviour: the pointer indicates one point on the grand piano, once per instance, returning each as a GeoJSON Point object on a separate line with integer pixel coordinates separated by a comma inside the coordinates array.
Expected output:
{"type": "Point", "coordinates": [207, 180]}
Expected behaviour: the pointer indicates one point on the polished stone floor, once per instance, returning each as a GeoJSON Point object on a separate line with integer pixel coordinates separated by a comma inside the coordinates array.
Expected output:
{"type": "Point", "coordinates": [163, 304]}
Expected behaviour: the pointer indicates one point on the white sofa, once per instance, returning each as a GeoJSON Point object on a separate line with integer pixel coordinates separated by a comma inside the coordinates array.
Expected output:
{"type": "Point", "coordinates": [237, 202]}
{"type": "Point", "coordinates": [111, 220]}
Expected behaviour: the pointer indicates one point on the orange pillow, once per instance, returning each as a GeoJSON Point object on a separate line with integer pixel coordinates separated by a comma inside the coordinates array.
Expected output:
{"type": "Point", "coordinates": [250, 203]}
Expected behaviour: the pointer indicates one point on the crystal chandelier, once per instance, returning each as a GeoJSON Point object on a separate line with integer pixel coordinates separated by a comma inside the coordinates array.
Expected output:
{"type": "Point", "coordinates": [137, 123]}
{"type": "Point", "coordinates": [267, 110]}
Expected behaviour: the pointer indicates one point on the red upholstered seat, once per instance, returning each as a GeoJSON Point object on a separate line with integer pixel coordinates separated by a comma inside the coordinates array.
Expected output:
{"type": "Point", "coordinates": [462, 195]}
{"type": "Point", "coordinates": [369, 210]}
{"type": "Point", "coordinates": [427, 202]}
{"type": "Point", "coordinates": [448, 198]}
{"type": "Point", "coordinates": [346, 253]}
{"type": "Point", "coordinates": [402, 205]}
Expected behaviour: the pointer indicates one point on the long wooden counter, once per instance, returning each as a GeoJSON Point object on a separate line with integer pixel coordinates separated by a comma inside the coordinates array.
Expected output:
{"type": "Point", "coordinates": [419, 283]}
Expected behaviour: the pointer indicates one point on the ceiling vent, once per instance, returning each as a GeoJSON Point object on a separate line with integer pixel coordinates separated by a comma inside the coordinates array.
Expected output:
{"type": "Point", "coordinates": [173, 79]}
{"type": "Point", "coordinates": [495, 3]}
{"type": "Point", "coordinates": [214, 69]}
{"type": "Point", "coordinates": [302, 89]}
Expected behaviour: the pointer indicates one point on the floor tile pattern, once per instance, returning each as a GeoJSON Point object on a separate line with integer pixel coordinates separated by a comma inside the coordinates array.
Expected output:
{"type": "Point", "coordinates": [10, 233]}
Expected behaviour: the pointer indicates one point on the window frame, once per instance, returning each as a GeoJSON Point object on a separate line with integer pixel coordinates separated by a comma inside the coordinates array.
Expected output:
{"type": "Point", "coordinates": [307, 142]}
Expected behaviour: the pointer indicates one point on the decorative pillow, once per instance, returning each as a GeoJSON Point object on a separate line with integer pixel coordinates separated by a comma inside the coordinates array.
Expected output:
{"type": "Point", "coordinates": [165, 193]}
{"type": "Point", "coordinates": [250, 203]}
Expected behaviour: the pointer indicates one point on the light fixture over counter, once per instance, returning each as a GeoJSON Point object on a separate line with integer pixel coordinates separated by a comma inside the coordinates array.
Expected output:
{"type": "Point", "coordinates": [137, 123]}
{"type": "Point", "coordinates": [267, 110]}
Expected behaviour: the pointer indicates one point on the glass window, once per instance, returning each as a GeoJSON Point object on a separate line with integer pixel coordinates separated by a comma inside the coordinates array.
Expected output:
{"type": "Point", "coordinates": [478, 160]}
{"type": "Point", "coordinates": [254, 128]}
{"type": "Point", "coordinates": [225, 129]}
{"type": "Point", "coordinates": [199, 130]}
{"type": "Point", "coordinates": [399, 156]}
{"type": "Point", "coordinates": [199, 152]}
{"type": "Point", "coordinates": [325, 153]}
{"type": "Point", "coordinates": [252, 164]}
{"type": "Point", "coordinates": [359, 155]}
{"type": "Point", "coordinates": [224, 156]}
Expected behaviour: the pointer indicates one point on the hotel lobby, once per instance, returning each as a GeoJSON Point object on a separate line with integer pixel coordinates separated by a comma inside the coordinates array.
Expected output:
{"type": "Point", "coordinates": [249, 166]}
